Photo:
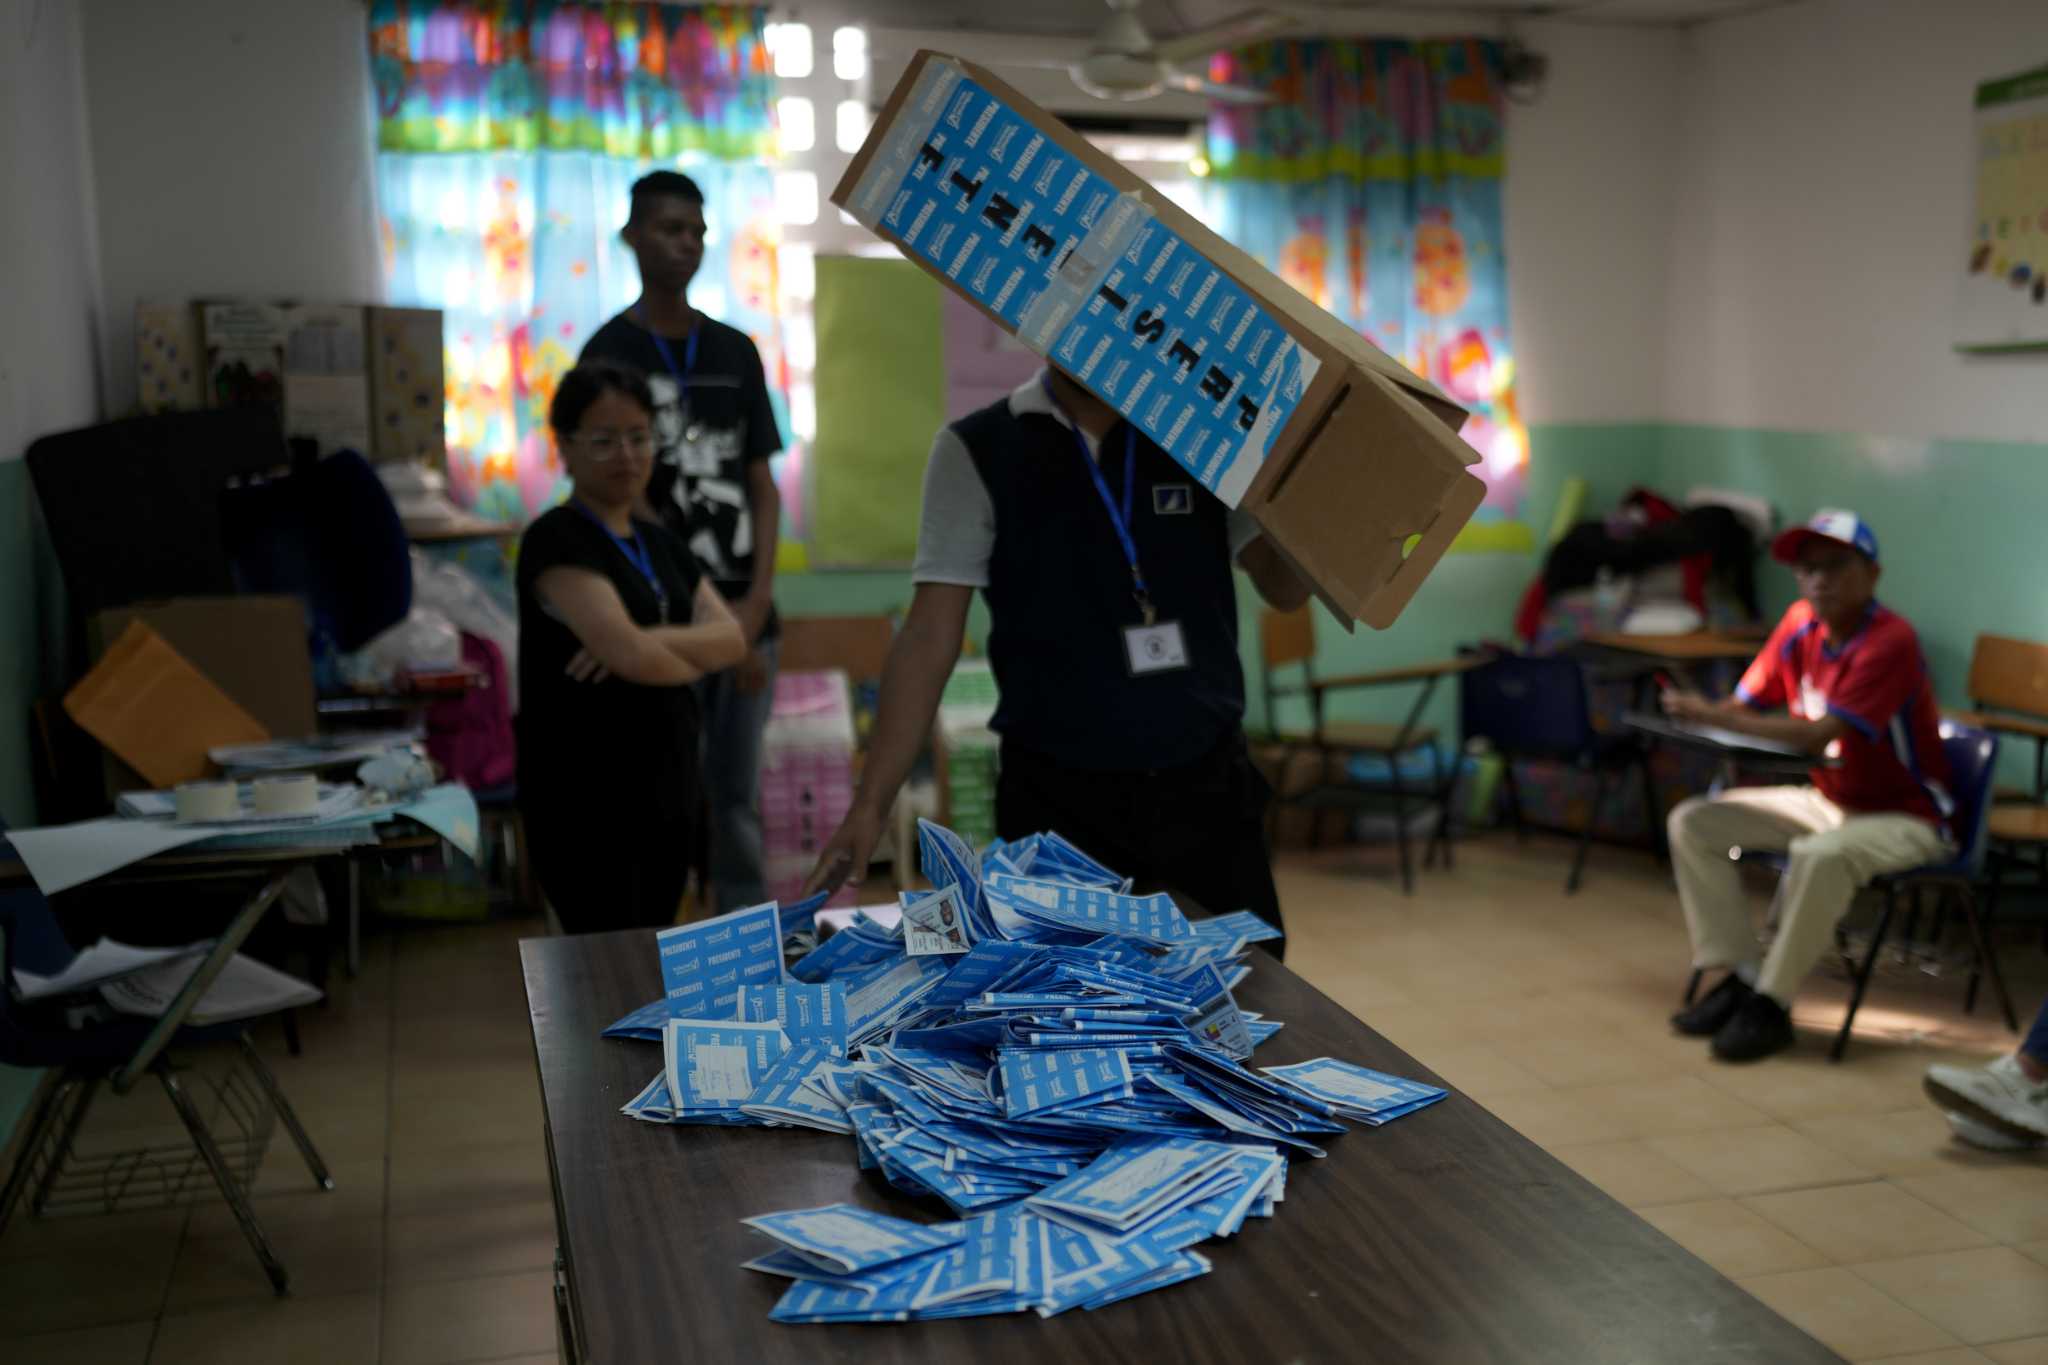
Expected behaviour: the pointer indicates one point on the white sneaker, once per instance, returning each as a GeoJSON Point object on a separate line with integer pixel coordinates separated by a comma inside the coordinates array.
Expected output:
{"type": "Point", "coordinates": [1999, 1096]}
{"type": "Point", "coordinates": [1984, 1135]}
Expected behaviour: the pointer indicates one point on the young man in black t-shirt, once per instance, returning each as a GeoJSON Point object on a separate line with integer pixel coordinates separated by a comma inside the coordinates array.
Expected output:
{"type": "Point", "coordinates": [715, 430]}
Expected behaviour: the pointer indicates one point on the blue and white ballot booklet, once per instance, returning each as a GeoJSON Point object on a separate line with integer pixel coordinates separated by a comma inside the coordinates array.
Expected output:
{"type": "Point", "coordinates": [1061, 1063]}
{"type": "Point", "coordinates": [1371, 1097]}
{"type": "Point", "coordinates": [704, 964]}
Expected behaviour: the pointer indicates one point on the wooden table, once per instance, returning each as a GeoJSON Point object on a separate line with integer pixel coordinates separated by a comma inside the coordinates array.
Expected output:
{"type": "Point", "coordinates": [1444, 1236]}
{"type": "Point", "coordinates": [1700, 646]}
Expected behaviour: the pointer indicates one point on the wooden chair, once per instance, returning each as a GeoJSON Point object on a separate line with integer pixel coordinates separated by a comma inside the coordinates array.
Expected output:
{"type": "Point", "coordinates": [1288, 639]}
{"type": "Point", "coordinates": [2008, 691]}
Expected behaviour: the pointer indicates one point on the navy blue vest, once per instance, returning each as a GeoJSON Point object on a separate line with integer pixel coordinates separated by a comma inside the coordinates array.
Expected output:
{"type": "Point", "coordinates": [1059, 597]}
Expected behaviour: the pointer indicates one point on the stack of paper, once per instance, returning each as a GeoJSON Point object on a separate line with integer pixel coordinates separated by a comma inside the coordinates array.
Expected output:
{"type": "Point", "coordinates": [1059, 1061]}
{"type": "Point", "coordinates": [1370, 1097]}
{"type": "Point", "coordinates": [1119, 1227]}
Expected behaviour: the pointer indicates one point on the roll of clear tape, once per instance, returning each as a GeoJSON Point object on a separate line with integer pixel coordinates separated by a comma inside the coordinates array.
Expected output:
{"type": "Point", "coordinates": [196, 801]}
{"type": "Point", "coordinates": [278, 797]}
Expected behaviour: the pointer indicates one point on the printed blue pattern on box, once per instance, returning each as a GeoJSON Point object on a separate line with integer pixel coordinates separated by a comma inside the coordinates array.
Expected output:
{"type": "Point", "coordinates": [1089, 277]}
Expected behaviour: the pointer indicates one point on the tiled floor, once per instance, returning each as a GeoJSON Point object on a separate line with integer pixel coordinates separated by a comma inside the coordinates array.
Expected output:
{"type": "Point", "coordinates": [1832, 1193]}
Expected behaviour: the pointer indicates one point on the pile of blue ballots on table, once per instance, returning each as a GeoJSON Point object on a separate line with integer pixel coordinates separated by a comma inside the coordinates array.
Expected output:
{"type": "Point", "coordinates": [1058, 1060]}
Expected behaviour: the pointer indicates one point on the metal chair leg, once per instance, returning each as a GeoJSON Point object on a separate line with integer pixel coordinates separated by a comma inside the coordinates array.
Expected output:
{"type": "Point", "coordinates": [1401, 824]}
{"type": "Point", "coordinates": [88, 1089]}
{"type": "Point", "coordinates": [1997, 865]}
{"type": "Point", "coordinates": [1986, 960]}
{"type": "Point", "coordinates": [47, 1114]}
{"type": "Point", "coordinates": [1660, 842]}
{"type": "Point", "coordinates": [1440, 833]}
{"type": "Point", "coordinates": [1863, 975]}
{"type": "Point", "coordinates": [1507, 773]}
{"type": "Point", "coordinates": [287, 1114]}
{"type": "Point", "coordinates": [230, 1188]}
{"type": "Point", "coordinates": [1571, 883]}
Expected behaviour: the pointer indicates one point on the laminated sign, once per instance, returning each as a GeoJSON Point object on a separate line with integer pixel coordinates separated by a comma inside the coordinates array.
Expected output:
{"type": "Point", "coordinates": [1349, 463]}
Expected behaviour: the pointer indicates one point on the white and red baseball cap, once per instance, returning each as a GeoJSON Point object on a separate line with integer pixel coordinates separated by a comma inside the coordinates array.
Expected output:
{"type": "Point", "coordinates": [1830, 523]}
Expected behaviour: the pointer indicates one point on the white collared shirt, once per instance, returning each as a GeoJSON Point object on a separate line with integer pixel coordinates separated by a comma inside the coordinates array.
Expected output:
{"type": "Point", "coordinates": [956, 534]}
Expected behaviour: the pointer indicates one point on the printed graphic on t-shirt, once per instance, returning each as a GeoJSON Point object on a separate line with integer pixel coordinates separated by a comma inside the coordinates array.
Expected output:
{"type": "Point", "coordinates": [709, 489]}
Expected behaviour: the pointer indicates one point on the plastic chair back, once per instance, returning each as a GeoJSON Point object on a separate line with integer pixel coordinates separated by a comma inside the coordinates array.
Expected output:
{"type": "Point", "coordinates": [1972, 764]}
{"type": "Point", "coordinates": [1527, 706]}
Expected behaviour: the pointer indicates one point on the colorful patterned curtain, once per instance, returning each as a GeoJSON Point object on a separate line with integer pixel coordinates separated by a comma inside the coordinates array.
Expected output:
{"type": "Point", "coordinates": [1373, 184]}
{"type": "Point", "coordinates": [509, 134]}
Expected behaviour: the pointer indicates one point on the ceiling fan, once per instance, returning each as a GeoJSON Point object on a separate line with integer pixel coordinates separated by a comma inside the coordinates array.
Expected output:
{"type": "Point", "coordinates": [1124, 63]}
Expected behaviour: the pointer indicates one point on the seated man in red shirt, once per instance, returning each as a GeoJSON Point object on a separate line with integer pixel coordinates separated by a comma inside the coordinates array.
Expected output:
{"type": "Point", "coordinates": [1850, 677]}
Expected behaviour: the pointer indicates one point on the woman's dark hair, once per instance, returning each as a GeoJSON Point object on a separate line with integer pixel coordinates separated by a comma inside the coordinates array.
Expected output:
{"type": "Point", "coordinates": [585, 384]}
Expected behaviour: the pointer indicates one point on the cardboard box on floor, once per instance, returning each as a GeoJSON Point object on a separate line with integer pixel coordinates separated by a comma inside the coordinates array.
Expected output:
{"type": "Point", "coordinates": [1348, 461]}
{"type": "Point", "coordinates": [250, 653]}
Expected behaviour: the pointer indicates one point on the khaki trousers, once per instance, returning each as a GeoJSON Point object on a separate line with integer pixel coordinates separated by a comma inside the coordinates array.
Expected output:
{"type": "Point", "coordinates": [1832, 853]}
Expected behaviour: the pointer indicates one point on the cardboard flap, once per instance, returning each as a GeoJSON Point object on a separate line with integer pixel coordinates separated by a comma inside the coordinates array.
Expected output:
{"type": "Point", "coordinates": [1460, 502]}
{"type": "Point", "coordinates": [1345, 502]}
{"type": "Point", "coordinates": [147, 703]}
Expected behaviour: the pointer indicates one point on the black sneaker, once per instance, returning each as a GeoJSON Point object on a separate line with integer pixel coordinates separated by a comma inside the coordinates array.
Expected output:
{"type": "Point", "coordinates": [1761, 1027]}
{"type": "Point", "coordinates": [1704, 1017]}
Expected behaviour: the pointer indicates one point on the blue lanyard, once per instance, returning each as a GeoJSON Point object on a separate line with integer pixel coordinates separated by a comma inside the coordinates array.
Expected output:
{"type": "Point", "coordinates": [1120, 519]}
{"type": "Point", "coordinates": [689, 364]}
{"type": "Point", "coordinates": [635, 551]}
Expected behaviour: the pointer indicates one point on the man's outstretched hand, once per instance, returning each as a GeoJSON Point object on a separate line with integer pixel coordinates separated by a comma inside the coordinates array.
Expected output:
{"type": "Point", "coordinates": [845, 855]}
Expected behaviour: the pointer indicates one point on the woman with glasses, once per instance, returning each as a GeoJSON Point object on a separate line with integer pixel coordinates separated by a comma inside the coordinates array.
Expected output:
{"type": "Point", "coordinates": [616, 619]}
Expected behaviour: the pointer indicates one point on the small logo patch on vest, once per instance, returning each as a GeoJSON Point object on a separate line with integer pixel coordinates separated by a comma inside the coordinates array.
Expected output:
{"type": "Point", "coordinates": [1173, 499]}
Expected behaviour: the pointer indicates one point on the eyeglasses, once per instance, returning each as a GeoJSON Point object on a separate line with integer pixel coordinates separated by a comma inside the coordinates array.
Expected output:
{"type": "Point", "coordinates": [606, 446]}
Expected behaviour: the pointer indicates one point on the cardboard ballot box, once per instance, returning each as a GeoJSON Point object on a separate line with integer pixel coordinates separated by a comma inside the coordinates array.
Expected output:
{"type": "Point", "coordinates": [1341, 454]}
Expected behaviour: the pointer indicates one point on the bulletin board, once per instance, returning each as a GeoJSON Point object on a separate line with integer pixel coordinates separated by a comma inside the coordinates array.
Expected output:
{"type": "Point", "coordinates": [898, 358]}
{"type": "Point", "coordinates": [2002, 295]}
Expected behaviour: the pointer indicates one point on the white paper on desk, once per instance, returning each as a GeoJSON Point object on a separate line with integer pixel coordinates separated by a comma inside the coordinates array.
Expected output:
{"type": "Point", "coordinates": [244, 989]}
{"type": "Point", "coordinates": [60, 857]}
{"type": "Point", "coordinates": [103, 961]}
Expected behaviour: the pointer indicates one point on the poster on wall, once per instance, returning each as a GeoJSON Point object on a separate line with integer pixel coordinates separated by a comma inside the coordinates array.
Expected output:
{"type": "Point", "coordinates": [2002, 299]}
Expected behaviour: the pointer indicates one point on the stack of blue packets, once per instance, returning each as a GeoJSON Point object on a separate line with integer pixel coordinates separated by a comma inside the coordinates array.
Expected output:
{"type": "Point", "coordinates": [1122, 1225]}
{"type": "Point", "coordinates": [1074, 1087]}
{"type": "Point", "coordinates": [1354, 1092]}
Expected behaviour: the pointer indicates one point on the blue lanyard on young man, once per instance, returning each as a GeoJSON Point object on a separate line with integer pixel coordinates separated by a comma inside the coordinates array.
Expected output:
{"type": "Point", "coordinates": [1119, 519]}
{"type": "Point", "coordinates": [689, 365]}
{"type": "Point", "coordinates": [636, 553]}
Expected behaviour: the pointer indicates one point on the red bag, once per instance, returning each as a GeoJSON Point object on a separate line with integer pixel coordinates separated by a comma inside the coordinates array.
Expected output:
{"type": "Point", "coordinates": [471, 736]}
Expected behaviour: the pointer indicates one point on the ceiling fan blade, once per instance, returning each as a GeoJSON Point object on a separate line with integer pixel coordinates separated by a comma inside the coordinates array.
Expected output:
{"type": "Point", "coordinates": [1235, 31]}
{"type": "Point", "coordinates": [1029, 63]}
{"type": "Point", "coordinates": [1223, 94]}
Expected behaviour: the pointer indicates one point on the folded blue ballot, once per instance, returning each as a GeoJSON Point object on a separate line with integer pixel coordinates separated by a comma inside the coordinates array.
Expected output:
{"type": "Point", "coordinates": [808, 1013]}
{"type": "Point", "coordinates": [845, 1239]}
{"type": "Point", "coordinates": [704, 964]}
{"type": "Point", "coordinates": [646, 1023]}
{"type": "Point", "coordinates": [1371, 1097]}
{"type": "Point", "coordinates": [801, 915]}
{"type": "Point", "coordinates": [800, 1089]}
{"type": "Point", "coordinates": [1058, 1061]}
{"type": "Point", "coordinates": [714, 1065]}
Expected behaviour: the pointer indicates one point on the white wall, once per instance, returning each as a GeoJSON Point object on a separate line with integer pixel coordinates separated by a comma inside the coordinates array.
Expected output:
{"type": "Point", "coordinates": [231, 149]}
{"type": "Point", "coordinates": [1823, 201]}
{"type": "Point", "coordinates": [1590, 179]}
{"type": "Point", "coordinates": [47, 274]}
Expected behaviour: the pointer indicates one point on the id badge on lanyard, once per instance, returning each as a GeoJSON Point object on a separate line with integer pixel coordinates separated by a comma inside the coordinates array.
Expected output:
{"type": "Point", "coordinates": [1153, 646]}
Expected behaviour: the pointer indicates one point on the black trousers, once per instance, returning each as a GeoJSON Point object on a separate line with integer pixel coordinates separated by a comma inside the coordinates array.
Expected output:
{"type": "Point", "coordinates": [604, 869]}
{"type": "Point", "coordinates": [1197, 832]}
